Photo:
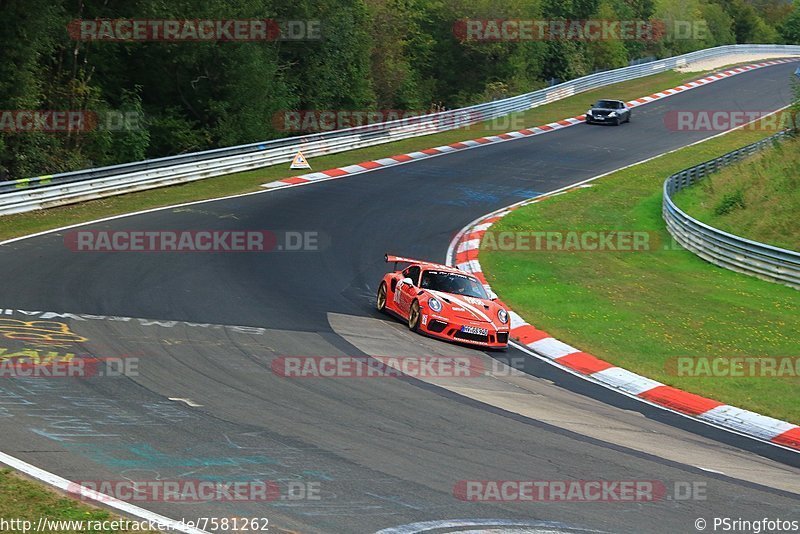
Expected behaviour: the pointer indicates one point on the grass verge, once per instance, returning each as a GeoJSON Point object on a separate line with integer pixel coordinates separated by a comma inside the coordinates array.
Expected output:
{"type": "Point", "coordinates": [37, 221]}
{"type": "Point", "coordinates": [24, 500]}
{"type": "Point", "coordinates": [758, 199]}
{"type": "Point", "coordinates": [639, 310]}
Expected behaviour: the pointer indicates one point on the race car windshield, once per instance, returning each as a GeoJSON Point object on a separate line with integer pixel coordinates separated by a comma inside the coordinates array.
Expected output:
{"type": "Point", "coordinates": [457, 284]}
{"type": "Point", "coordinates": [608, 104]}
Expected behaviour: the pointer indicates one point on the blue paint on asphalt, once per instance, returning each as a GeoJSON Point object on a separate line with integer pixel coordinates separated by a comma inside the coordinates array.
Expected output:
{"type": "Point", "coordinates": [471, 196]}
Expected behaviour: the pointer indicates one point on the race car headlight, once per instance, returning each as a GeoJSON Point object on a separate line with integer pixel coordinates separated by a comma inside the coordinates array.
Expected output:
{"type": "Point", "coordinates": [612, 114]}
{"type": "Point", "coordinates": [502, 315]}
{"type": "Point", "coordinates": [435, 304]}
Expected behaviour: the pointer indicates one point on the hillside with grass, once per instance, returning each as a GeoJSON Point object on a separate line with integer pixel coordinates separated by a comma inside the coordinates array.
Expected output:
{"type": "Point", "coordinates": [758, 199]}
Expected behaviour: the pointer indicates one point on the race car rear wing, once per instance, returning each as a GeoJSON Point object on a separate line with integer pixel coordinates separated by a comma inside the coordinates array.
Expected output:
{"type": "Point", "coordinates": [400, 259]}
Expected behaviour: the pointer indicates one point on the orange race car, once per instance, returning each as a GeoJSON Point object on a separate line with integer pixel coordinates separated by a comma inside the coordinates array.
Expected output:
{"type": "Point", "coordinates": [443, 302]}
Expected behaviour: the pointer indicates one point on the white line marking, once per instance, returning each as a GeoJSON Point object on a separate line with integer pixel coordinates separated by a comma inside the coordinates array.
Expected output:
{"type": "Point", "coordinates": [86, 493]}
{"type": "Point", "coordinates": [709, 470]}
{"type": "Point", "coordinates": [188, 402]}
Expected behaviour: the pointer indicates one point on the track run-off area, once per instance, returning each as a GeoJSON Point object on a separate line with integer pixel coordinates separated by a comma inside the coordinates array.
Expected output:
{"type": "Point", "coordinates": [205, 330]}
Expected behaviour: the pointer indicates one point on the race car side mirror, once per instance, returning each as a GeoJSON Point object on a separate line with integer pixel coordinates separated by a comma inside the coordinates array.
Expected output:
{"type": "Point", "coordinates": [492, 295]}
{"type": "Point", "coordinates": [408, 281]}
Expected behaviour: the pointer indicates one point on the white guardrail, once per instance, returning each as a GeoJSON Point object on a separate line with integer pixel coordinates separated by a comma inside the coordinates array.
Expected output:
{"type": "Point", "coordinates": [54, 190]}
{"type": "Point", "coordinates": [721, 248]}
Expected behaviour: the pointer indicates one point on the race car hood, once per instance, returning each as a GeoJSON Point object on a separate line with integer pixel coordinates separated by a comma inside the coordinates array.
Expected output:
{"type": "Point", "coordinates": [468, 308]}
{"type": "Point", "coordinates": [602, 111]}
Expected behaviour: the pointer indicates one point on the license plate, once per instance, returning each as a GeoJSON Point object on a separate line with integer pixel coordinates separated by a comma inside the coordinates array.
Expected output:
{"type": "Point", "coordinates": [475, 330]}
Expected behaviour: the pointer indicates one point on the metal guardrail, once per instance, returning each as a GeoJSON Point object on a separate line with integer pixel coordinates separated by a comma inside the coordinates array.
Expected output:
{"type": "Point", "coordinates": [65, 188]}
{"type": "Point", "coordinates": [721, 248]}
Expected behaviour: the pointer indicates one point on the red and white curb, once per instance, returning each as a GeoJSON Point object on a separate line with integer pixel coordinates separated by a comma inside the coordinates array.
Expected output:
{"type": "Point", "coordinates": [367, 166]}
{"type": "Point", "coordinates": [463, 253]}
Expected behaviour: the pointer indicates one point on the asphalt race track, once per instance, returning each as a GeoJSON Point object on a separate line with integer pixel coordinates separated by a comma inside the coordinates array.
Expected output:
{"type": "Point", "coordinates": [383, 452]}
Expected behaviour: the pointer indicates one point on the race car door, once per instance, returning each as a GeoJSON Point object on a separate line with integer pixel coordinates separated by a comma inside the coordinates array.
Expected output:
{"type": "Point", "coordinates": [405, 292]}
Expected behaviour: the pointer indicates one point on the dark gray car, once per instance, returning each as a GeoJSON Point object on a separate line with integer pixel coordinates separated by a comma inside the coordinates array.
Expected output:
{"type": "Point", "coordinates": [608, 112]}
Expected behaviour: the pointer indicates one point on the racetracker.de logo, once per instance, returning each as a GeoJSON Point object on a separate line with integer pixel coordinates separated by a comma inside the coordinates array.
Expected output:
{"type": "Point", "coordinates": [68, 121]}
{"type": "Point", "coordinates": [559, 490]}
{"type": "Point", "coordinates": [193, 30]}
{"type": "Point", "coordinates": [492, 30]}
{"type": "Point", "coordinates": [734, 366]}
{"type": "Point", "coordinates": [193, 241]}
{"type": "Point", "coordinates": [315, 120]}
{"type": "Point", "coordinates": [194, 490]}
{"type": "Point", "coordinates": [570, 241]}
{"type": "Point", "coordinates": [722, 120]}
{"type": "Point", "coordinates": [377, 366]}
{"type": "Point", "coordinates": [28, 364]}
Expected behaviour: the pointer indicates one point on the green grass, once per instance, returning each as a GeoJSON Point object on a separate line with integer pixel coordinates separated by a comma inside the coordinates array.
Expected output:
{"type": "Point", "coordinates": [638, 310]}
{"type": "Point", "coordinates": [758, 199]}
{"type": "Point", "coordinates": [26, 223]}
{"type": "Point", "coordinates": [26, 500]}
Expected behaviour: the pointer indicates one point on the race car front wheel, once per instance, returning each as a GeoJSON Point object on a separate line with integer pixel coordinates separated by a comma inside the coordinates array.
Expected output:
{"type": "Point", "coordinates": [380, 300]}
{"type": "Point", "coordinates": [413, 317]}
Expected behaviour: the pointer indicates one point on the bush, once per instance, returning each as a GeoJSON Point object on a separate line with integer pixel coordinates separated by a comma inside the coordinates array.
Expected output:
{"type": "Point", "coordinates": [730, 202]}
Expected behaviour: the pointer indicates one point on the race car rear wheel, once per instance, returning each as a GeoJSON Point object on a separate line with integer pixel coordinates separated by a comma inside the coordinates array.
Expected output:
{"type": "Point", "coordinates": [380, 300]}
{"type": "Point", "coordinates": [414, 316]}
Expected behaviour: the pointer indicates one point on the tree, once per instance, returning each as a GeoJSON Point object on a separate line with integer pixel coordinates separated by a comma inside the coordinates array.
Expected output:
{"type": "Point", "coordinates": [28, 34]}
{"type": "Point", "coordinates": [790, 30]}
{"type": "Point", "coordinates": [719, 24]}
{"type": "Point", "coordinates": [745, 19]}
{"type": "Point", "coordinates": [334, 72]}
{"type": "Point", "coordinates": [607, 53]}
{"type": "Point", "coordinates": [682, 19]}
